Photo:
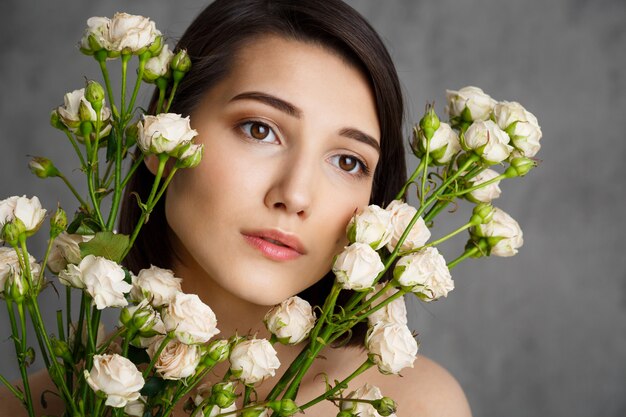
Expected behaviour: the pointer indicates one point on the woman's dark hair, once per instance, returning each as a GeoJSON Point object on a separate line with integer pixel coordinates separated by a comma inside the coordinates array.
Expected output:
{"type": "Point", "coordinates": [212, 41]}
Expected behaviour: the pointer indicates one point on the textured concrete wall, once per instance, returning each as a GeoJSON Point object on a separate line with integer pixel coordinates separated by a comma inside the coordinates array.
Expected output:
{"type": "Point", "coordinates": [543, 333]}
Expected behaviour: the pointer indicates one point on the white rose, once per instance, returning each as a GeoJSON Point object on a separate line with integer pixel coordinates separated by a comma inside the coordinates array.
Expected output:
{"type": "Point", "coordinates": [478, 104]}
{"type": "Point", "coordinates": [443, 145]}
{"type": "Point", "coordinates": [117, 377]}
{"type": "Point", "coordinates": [159, 65]}
{"type": "Point", "coordinates": [164, 133]}
{"type": "Point", "coordinates": [506, 231]}
{"type": "Point", "coordinates": [10, 271]}
{"type": "Point", "coordinates": [103, 280]}
{"type": "Point", "coordinates": [131, 32]}
{"type": "Point", "coordinates": [65, 250]}
{"type": "Point", "coordinates": [391, 346]}
{"type": "Point", "coordinates": [157, 285]}
{"type": "Point", "coordinates": [190, 319]}
{"type": "Point", "coordinates": [290, 321]}
{"type": "Point", "coordinates": [28, 210]}
{"type": "Point", "coordinates": [521, 125]}
{"type": "Point", "coordinates": [366, 392]}
{"type": "Point", "coordinates": [98, 30]}
{"type": "Point", "coordinates": [253, 361]}
{"type": "Point", "coordinates": [488, 192]}
{"type": "Point", "coordinates": [372, 226]}
{"type": "Point", "coordinates": [425, 273]}
{"type": "Point", "coordinates": [136, 407]}
{"type": "Point", "coordinates": [394, 312]}
{"type": "Point", "coordinates": [177, 360]}
{"type": "Point", "coordinates": [357, 267]}
{"type": "Point", "coordinates": [71, 114]}
{"type": "Point", "coordinates": [401, 215]}
{"type": "Point", "coordinates": [488, 141]}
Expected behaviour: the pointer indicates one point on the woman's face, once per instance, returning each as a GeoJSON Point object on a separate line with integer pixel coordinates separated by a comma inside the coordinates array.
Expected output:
{"type": "Point", "coordinates": [291, 142]}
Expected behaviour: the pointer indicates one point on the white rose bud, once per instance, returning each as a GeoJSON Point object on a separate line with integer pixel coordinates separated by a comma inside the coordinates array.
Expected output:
{"type": "Point", "coordinates": [253, 361]}
{"type": "Point", "coordinates": [190, 319]}
{"type": "Point", "coordinates": [117, 377]}
{"type": "Point", "coordinates": [77, 109]}
{"type": "Point", "coordinates": [372, 226]}
{"type": "Point", "coordinates": [425, 273]}
{"type": "Point", "coordinates": [103, 280]}
{"type": "Point", "coordinates": [394, 312]}
{"type": "Point", "coordinates": [136, 407]}
{"type": "Point", "coordinates": [488, 141]}
{"type": "Point", "coordinates": [504, 234]}
{"type": "Point", "coordinates": [28, 210]}
{"type": "Point", "coordinates": [157, 285]}
{"type": "Point", "coordinates": [521, 125]}
{"type": "Point", "coordinates": [357, 267]}
{"type": "Point", "coordinates": [65, 250]}
{"type": "Point", "coordinates": [443, 145]}
{"type": "Point", "coordinates": [401, 215]}
{"type": "Point", "coordinates": [488, 192]}
{"type": "Point", "coordinates": [96, 35]}
{"type": "Point", "coordinates": [10, 271]}
{"type": "Point", "coordinates": [365, 392]}
{"type": "Point", "coordinates": [164, 133]}
{"type": "Point", "coordinates": [469, 103]}
{"type": "Point", "coordinates": [159, 65]}
{"type": "Point", "coordinates": [131, 32]}
{"type": "Point", "coordinates": [190, 155]}
{"type": "Point", "coordinates": [391, 346]}
{"type": "Point", "coordinates": [141, 318]}
{"type": "Point", "coordinates": [290, 321]}
{"type": "Point", "coordinates": [177, 360]}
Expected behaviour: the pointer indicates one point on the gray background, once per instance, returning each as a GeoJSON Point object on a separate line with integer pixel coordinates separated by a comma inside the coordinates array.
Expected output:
{"type": "Point", "coordinates": [543, 333]}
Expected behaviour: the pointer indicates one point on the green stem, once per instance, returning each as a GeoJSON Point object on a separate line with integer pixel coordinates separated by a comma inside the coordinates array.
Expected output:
{"type": "Point", "coordinates": [425, 171]}
{"type": "Point", "coordinates": [162, 85]}
{"type": "Point", "coordinates": [372, 310]}
{"type": "Point", "coordinates": [132, 170]}
{"type": "Point", "coordinates": [96, 407]}
{"type": "Point", "coordinates": [400, 195]}
{"type": "Point", "coordinates": [107, 82]}
{"type": "Point", "coordinates": [373, 298]}
{"type": "Point", "coordinates": [142, 64]}
{"type": "Point", "coordinates": [154, 359]}
{"type": "Point", "coordinates": [82, 202]}
{"type": "Point", "coordinates": [117, 189]}
{"type": "Point", "coordinates": [468, 252]}
{"type": "Point", "coordinates": [440, 240]}
{"type": "Point", "coordinates": [476, 187]}
{"type": "Point", "coordinates": [20, 351]}
{"type": "Point", "coordinates": [104, 345]}
{"type": "Point", "coordinates": [364, 367]}
{"type": "Point", "coordinates": [288, 375]}
{"type": "Point", "coordinates": [246, 395]}
{"type": "Point", "coordinates": [11, 388]}
{"type": "Point", "coordinates": [171, 98]}
{"type": "Point", "coordinates": [125, 58]}
{"type": "Point", "coordinates": [43, 265]}
{"type": "Point", "coordinates": [76, 148]}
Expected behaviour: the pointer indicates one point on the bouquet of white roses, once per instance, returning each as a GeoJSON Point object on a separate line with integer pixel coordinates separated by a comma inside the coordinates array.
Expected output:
{"type": "Point", "coordinates": [167, 341]}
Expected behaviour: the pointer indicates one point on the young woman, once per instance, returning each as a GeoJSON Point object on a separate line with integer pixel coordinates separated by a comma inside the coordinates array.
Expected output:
{"type": "Point", "coordinates": [299, 108]}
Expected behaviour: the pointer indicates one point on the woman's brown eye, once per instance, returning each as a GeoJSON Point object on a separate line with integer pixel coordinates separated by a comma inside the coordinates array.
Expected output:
{"type": "Point", "coordinates": [259, 131]}
{"type": "Point", "coordinates": [348, 163]}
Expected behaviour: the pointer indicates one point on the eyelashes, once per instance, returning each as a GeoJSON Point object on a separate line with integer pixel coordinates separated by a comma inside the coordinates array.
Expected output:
{"type": "Point", "coordinates": [262, 132]}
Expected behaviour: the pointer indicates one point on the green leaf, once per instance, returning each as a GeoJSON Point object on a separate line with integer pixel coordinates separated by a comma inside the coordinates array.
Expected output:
{"type": "Point", "coordinates": [154, 386]}
{"type": "Point", "coordinates": [106, 244]}
{"type": "Point", "coordinates": [83, 225]}
{"type": "Point", "coordinates": [111, 145]}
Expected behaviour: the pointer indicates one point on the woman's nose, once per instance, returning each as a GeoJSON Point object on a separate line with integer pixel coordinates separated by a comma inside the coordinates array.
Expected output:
{"type": "Point", "coordinates": [293, 185]}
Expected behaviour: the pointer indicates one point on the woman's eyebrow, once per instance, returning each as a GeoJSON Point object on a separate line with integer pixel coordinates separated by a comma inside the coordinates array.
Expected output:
{"type": "Point", "coordinates": [270, 100]}
{"type": "Point", "coordinates": [294, 111]}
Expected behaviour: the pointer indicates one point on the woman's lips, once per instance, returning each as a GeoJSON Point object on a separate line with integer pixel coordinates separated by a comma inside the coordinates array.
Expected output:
{"type": "Point", "coordinates": [275, 245]}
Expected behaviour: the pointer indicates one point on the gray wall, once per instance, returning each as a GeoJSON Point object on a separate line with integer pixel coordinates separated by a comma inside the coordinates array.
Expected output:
{"type": "Point", "coordinates": [543, 333]}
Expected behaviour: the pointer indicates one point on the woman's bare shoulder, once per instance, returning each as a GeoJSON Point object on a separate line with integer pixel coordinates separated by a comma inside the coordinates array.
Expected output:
{"type": "Point", "coordinates": [39, 382]}
{"type": "Point", "coordinates": [425, 390]}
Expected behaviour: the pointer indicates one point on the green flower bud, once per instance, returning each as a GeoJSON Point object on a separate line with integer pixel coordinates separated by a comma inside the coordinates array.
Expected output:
{"type": "Point", "coordinates": [43, 167]}
{"type": "Point", "coordinates": [480, 243]}
{"type": "Point", "coordinates": [429, 123]}
{"type": "Point", "coordinates": [11, 231]}
{"type": "Point", "coordinates": [482, 214]}
{"type": "Point", "coordinates": [156, 46]}
{"type": "Point", "coordinates": [519, 167]}
{"type": "Point", "coordinates": [219, 350]}
{"type": "Point", "coordinates": [55, 120]}
{"type": "Point", "coordinates": [16, 286]}
{"type": "Point", "coordinates": [346, 413]}
{"type": "Point", "coordinates": [223, 394]}
{"type": "Point", "coordinates": [58, 223]}
{"type": "Point", "coordinates": [385, 406]}
{"type": "Point", "coordinates": [94, 94]}
{"type": "Point", "coordinates": [181, 62]}
{"type": "Point", "coordinates": [61, 350]}
{"type": "Point", "coordinates": [284, 408]}
{"type": "Point", "coordinates": [190, 156]}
